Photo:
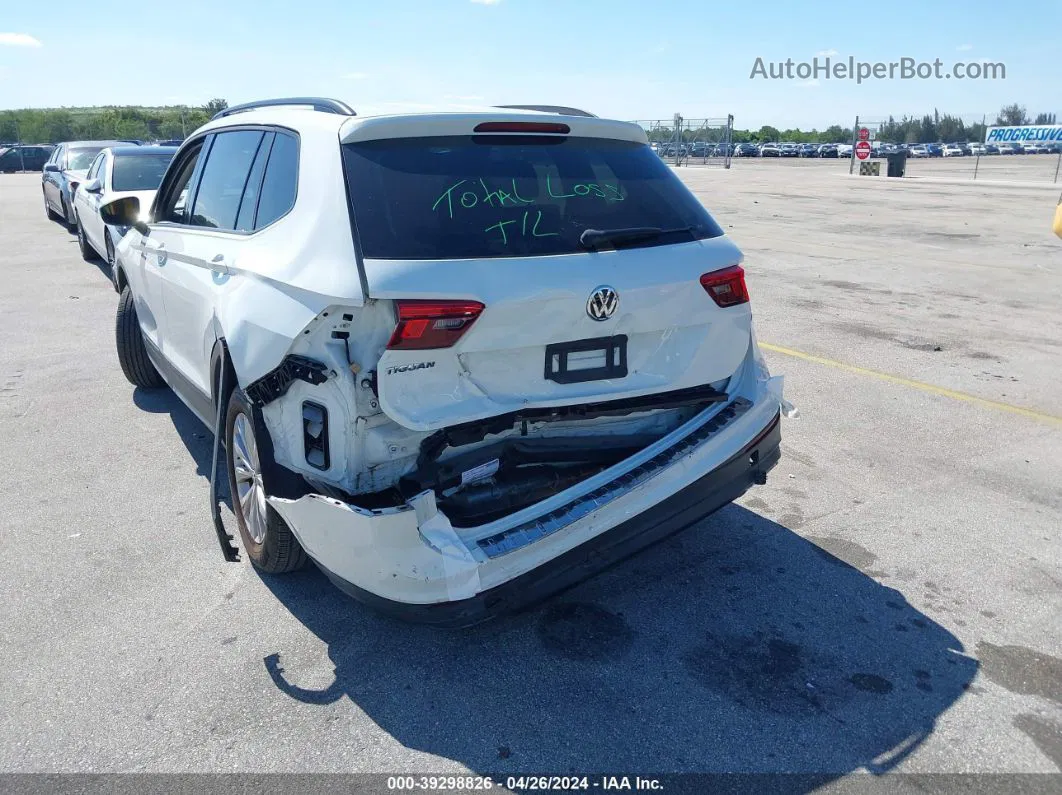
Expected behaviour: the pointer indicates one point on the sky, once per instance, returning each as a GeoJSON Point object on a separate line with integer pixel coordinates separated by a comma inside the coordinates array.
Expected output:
{"type": "Point", "coordinates": [616, 58]}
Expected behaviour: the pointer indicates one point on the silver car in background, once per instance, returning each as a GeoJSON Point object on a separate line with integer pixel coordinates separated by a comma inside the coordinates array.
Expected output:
{"type": "Point", "coordinates": [64, 171]}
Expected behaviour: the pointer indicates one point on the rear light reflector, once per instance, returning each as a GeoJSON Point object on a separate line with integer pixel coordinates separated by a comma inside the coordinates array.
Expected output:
{"type": "Point", "coordinates": [726, 286]}
{"type": "Point", "coordinates": [432, 324]}
{"type": "Point", "coordinates": [522, 127]}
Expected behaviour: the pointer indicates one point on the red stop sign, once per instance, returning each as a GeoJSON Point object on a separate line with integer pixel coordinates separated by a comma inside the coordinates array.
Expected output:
{"type": "Point", "coordinates": [862, 150]}
{"type": "Point", "coordinates": [864, 134]}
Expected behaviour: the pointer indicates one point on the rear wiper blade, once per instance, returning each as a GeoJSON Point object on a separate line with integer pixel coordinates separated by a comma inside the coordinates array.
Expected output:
{"type": "Point", "coordinates": [596, 238]}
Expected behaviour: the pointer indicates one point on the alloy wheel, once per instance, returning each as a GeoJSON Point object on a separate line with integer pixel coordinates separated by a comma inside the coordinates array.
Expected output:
{"type": "Point", "coordinates": [249, 486]}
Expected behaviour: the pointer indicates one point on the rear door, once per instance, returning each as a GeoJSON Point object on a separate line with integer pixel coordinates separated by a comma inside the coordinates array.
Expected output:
{"type": "Point", "coordinates": [499, 221]}
{"type": "Point", "coordinates": [248, 181]}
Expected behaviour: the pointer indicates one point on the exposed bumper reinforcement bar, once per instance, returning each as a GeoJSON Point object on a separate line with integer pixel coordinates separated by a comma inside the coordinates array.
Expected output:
{"type": "Point", "coordinates": [722, 485]}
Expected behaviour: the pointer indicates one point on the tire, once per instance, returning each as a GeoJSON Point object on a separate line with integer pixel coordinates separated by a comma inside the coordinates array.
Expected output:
{"type": "Point", "coordinates": [132, 352]}
{"type": "Point", "coordinates": [267, 539]}
{"type": "Point", "coordinates": [88, 253]}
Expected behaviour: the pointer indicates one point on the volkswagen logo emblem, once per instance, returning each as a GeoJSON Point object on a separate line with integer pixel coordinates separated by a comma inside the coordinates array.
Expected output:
{"type": "Point", "coordinates": [602, 303]}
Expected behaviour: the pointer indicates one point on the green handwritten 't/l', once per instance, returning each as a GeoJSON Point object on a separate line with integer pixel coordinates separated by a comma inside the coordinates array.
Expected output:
{"type": "Point", "coordinates": [500, 226]}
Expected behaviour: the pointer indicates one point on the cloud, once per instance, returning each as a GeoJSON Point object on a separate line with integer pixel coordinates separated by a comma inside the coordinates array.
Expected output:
{"type": "Point", "coordinates": [355, 75]}
{"type": "Point", "coordinates": [18, 40]}
{"type": "Point", "coordinates": [964, 47]}
{"type": "Point", "coordinates": [486, 2]}
{"type": "Point", "coordinates": [826, 53]}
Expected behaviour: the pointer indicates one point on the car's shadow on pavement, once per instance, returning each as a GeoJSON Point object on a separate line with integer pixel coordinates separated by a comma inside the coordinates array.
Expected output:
{"type": "Point", "coordinates": [196, 437]}
{"type": "Point", "coordinates": [735, 646]}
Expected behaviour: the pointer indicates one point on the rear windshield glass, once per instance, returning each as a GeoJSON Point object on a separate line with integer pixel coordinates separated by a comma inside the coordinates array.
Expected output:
{"type": "Point", "coordinates": [502, 196]}
{"type": "Point", "coordinates": [139, 172]}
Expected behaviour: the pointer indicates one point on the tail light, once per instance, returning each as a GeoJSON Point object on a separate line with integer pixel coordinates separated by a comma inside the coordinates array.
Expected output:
{"type": "Point", "coordinates": [432, 324]}
{"type": "Point", "coordinates": [727, 286]}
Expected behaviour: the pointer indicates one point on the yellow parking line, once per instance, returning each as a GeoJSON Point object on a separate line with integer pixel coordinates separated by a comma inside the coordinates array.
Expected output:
{"type": "Point", "coordinates": [933, 390]}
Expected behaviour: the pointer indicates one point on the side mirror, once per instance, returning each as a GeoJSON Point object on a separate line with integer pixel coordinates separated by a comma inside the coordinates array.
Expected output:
{"type": "Point", "coordinates": [92, 186]}
{"type": "Point", "coordinates": [51, 167]}
{"type": "Point", "coordinates": [124, 212]}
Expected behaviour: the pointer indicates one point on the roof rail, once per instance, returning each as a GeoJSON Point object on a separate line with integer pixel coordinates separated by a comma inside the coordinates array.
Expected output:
{"type": "Point", "coordinates": [559, 109]}
{"type": "Point", "coordinates": [320, 104]}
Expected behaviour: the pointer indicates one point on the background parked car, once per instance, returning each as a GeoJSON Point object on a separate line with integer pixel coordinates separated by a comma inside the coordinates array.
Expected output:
{"type": "Point", "coordinates": [770, 150]}
{"type": "Point", "coordinates": [809, 150]}
{"type": "Point", "coordinates": [952, 150]}
{"type": "Point", "coordinates": [746, 150]}
{"type": "Point", "coordinates": [24, 157]}
{"type": "Point", "coordinates": [977, 149]}
{"type": "Point", "coordinates": [64, 171]}
{"type": "Point", "coordinates": [828, 150]}
{"type": "Point", "coordinates": [115, 173]}
{"type": "Point", "coordinates": [917, 150]}
{"type": "Point", "coordinates": [844, 150]}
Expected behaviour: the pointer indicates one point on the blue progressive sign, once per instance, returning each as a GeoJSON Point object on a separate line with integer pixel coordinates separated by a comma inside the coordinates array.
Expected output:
{"type": "Point", "coordinates": [1030, 132]}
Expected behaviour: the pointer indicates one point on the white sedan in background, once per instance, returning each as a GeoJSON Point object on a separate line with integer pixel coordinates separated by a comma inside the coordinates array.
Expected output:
{"type": "Point", "coordinates": [953, 150]}
{"type": "Point", "coordinates": [116, 172]}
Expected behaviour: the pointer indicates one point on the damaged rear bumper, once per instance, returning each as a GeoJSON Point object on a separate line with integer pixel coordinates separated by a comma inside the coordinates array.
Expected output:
{"type": "Point", "coordinates": [410, 563]}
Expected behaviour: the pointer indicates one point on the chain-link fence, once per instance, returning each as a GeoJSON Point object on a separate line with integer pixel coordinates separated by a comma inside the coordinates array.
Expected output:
{"type": "Point", "coordinates": [691, 142]}
{"type": "Point", "coordinates": [960, 147]}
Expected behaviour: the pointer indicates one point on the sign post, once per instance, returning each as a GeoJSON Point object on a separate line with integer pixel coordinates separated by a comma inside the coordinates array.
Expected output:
{"type": "Point", "coordinates": [851, 157]}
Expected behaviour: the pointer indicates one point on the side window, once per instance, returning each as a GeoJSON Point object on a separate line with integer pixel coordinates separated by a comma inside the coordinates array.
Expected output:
{"type": "Point", "coordinates": [217, 199]}
{"type": "Point", "coordinates": [94, 169]}
{"type": "Point", "coordinates": [174, 193]}
{"type": "Point", "coordinates": [281, 181]}
{"type": "Point", "coordinates": [253, 189]}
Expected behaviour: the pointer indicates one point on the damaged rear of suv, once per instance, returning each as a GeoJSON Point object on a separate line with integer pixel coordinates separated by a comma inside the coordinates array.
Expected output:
{"type": "Point", "coordinates": [477, 357]}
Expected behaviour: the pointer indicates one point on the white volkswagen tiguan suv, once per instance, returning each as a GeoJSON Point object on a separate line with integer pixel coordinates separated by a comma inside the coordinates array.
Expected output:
{"type": "Point", "coordinates": [460, 360]}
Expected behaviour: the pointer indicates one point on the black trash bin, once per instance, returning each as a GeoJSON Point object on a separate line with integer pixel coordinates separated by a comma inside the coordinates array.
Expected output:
{"type": "Point", "coordinates": [897, 163]}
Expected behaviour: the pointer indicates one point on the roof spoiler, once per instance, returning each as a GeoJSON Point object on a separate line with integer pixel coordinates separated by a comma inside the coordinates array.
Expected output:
{"type": "Point", "coordinates": [320, 104]}
{"type": "Point", "coordinates": [558, 109]}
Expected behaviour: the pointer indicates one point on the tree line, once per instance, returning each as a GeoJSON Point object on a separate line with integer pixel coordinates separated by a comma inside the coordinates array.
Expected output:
{"type": "Point", "coordinates": [163, 123]}
{"type": "Point", "coordinates": [906, 130]}
{"type": "Point", "coordinates": [52, 125]}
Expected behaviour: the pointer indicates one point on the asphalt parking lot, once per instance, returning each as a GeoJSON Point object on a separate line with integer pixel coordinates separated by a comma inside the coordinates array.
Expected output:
{"type": "Point", "coordinates": [890, 601]}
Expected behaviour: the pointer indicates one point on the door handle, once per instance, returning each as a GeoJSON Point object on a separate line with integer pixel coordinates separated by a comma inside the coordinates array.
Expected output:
{"type": "Point", "coordinates": [218, 265]}
{"type": "Point", "coordinates": [156, 250]}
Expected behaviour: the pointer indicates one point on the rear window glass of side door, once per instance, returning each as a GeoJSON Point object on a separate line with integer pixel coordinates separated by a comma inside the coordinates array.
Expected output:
{"type": "Point", "coordinates": [249, 180]}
